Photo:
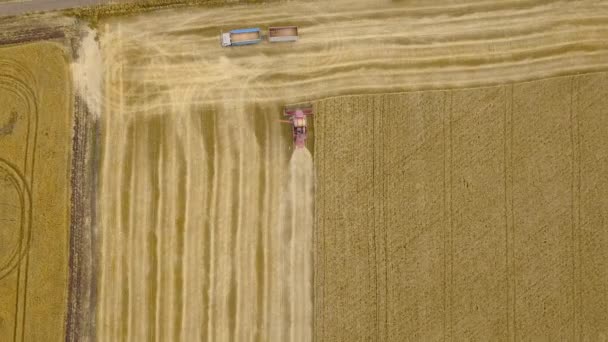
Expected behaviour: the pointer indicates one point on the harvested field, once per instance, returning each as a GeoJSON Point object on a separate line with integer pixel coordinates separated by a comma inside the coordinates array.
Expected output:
{"type": "Point", "coordinates": [200, 256]}
{"type": "Point", "coordinates": [346, 47]}
{"type": "Point", "coordinates": [197, 214]}
{"type": "Point", "coordinates": [194, 230]}
{"type": "Point", "coordinates": [35, 141]}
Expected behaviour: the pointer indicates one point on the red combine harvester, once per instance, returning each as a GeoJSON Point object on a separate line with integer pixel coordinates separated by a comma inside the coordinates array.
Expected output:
{"type": "Point", "coordinates": [297, 118]}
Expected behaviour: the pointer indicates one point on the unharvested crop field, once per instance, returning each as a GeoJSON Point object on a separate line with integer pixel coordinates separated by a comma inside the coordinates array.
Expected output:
{"type": "Point", "coordinates": [35, 136]}
{"type": "Point", "coordinates": [474, 214]}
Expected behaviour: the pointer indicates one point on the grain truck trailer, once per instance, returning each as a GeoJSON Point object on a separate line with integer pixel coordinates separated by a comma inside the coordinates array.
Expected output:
{"type": "Point", "coordinates": [283, 34]}
{"type": "Point", "coordinates": [241, 37]}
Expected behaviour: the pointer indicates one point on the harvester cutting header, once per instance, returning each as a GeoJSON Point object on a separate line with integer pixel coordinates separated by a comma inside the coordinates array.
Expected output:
{"type": "Point", "coordinates": [298, 119]}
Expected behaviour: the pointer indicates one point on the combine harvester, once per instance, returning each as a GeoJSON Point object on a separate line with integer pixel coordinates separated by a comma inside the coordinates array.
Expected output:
{"type": "Point", "coordinates": [241, 37]}
{"type": "Point", "coordinates": [297, 118]}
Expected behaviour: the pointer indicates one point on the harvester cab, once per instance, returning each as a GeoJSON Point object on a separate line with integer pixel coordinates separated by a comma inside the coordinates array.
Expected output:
{"type": "Point", "coordinates": [297, 118]}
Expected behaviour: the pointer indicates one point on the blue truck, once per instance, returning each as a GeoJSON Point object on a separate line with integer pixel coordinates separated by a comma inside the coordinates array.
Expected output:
{"type": "Point", "coordinates": [241, 37]}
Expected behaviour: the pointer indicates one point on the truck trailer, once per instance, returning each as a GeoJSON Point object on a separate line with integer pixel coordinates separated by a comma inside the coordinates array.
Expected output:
{"type": "Point", "coordinates": [283, 34]}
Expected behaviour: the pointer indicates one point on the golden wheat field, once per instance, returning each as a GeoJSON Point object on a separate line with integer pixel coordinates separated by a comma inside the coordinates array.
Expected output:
{"type": "Point", "coordinates": [35, 128]}
{"type": "Point", "coordinates": [454, 185]}
{"type": "Point", "coordinates": [480, 216]}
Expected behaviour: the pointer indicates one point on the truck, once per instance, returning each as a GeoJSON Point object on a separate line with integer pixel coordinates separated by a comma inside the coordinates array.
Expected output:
{"type": "Point", "coordinates": [241, 37]}
{"type": "Point", "coordinates": [283, 34]}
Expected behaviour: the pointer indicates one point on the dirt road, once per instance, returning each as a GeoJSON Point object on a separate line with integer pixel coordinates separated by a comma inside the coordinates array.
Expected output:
{"type": "Point", "coordinates": [194, 163]}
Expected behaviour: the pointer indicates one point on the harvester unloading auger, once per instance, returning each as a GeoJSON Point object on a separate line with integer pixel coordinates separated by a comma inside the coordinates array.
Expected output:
{"type": "Point", "coordinates": [297, 118]}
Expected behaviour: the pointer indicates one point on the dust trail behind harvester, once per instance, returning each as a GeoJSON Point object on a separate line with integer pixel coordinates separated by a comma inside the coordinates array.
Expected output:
{"type": "Point", "coordinates": [296, 258]}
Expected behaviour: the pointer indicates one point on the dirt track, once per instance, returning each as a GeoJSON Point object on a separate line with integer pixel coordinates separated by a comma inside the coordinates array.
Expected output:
{"type": "Point", "coordinates": [193, 162]}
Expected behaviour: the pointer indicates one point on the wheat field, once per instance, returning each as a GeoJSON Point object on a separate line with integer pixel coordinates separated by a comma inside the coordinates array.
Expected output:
{"type": "Point", "coordinates": [35, 146]}
{"type": "Point", "coordinates": [474, 214]}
